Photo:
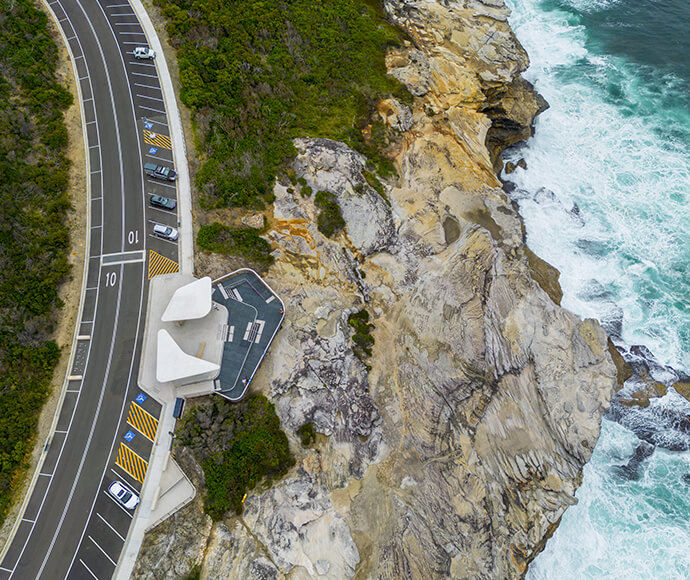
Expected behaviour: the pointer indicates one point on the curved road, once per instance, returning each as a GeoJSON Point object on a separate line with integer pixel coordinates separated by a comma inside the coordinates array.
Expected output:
{"type": "Point", "coordinates": [71, 527]}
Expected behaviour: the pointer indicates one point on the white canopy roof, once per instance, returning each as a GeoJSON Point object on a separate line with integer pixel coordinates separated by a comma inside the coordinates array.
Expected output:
{"type": "Point", "coordinates": [173, 364]}
{"type": "Point", "coordinates": [189, 302]}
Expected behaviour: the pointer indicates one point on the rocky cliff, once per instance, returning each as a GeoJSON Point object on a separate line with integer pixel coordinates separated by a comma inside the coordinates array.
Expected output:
{"type": "Point", "coordinates": [454, 450]}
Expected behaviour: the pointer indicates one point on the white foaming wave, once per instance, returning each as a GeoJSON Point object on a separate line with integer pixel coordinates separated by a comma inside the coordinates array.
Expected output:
{"type": "Point", "coordinates": [630, 190]}
{"type": "Point", "coordinates": [624, 247]}
{"type": "Point", "coordinates": [562, 44]}
{"type": "Point", "coordinates": [594, 542]}
{"type": "Point", "coordinates": [591, 5]}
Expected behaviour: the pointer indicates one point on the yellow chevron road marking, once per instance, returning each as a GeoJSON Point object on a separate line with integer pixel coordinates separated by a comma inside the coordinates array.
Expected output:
{"type": "Point", "coordinates": [157, 139]}
{"type": "Point", "coordinates": [161, 265]}
{"type": "Point", "coordinates": [142, 421]}
{"type": "Point", "coordinates": [131, 463]}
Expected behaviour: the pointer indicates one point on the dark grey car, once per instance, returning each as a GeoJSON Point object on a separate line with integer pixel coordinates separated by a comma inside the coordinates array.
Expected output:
{"type": "Point", "coordinates": [163, 202]}
{"type": "Point", "coordinates": [160, 172]}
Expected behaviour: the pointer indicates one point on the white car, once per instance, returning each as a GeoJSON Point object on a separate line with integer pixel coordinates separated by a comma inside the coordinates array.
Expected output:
{"type": "Point", "coordinates": [144, 52]}
{"type": "Point", "coordinates": [165, 232]}
{"type": "Point", "coordinates": [128, 499]}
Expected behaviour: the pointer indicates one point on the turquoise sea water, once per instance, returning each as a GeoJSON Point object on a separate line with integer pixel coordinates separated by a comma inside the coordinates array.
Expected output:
{"type": "Point", "coordinates": [606, 199]}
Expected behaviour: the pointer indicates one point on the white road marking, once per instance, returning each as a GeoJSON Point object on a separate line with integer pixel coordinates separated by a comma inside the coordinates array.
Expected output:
{"type": "Point", "coordinates": [147, 86]}
{"type": "Point", "coordinates": [150, 109]}
{"type": "Point", "coordinates": [111, 527]}
{"type": "Point", "coordinates": [260, 324]}
{"type": "Point", "coordinates": [159, 158]}
{"type": "Point", "coordinates": [145, 75]}
{"type": "Point", "coordinates": [249, 329]}
{"type": "Point", "coordinates": [89, 569]}
{"type": "Point", "coordinates": [161, 183]}
{"type": "Point", "coordinates": [117, 503]}
{"type": "Point", "coordinates": [152, 98]}
{"type": "Point", "coordinates": [102, 550]}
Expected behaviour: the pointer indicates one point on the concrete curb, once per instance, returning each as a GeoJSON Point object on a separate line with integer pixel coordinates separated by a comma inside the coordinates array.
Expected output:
{"type": "Point", "coordinates": [87, 251]}
{"type": "Point", "coordinates": [186, 240]}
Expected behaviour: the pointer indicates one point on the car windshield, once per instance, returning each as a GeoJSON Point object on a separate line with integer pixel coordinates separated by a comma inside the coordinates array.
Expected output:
{"type": "Point", "coordinates": [126, 496]}
{"type": "Point", "coordinates": [168, 231]}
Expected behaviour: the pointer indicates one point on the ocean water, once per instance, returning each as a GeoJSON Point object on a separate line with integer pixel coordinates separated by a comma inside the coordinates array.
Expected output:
{"type": "Point", "coordinates": [606, 199]}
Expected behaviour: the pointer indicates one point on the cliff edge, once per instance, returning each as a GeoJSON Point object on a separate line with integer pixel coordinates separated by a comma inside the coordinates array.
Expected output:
{"type": "Point", "coordinates": [453, 451]}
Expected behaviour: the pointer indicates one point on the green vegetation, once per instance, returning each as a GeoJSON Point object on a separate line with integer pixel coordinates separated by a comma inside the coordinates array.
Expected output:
{"type": "Point", "coordinates": [238, 446]}
{"type": "Point", "coordinates": [245, 242]}
{"type": "Point", "coordinates": [330, 221]}
{"type": "Point", "coordinates": [34, 240]}
{"type": "Point", "coordinates": [362, 337]}
{"type": "Point", "coordinates": [194, 573]}
{"type": "Point", "coordinates": [257, 74]}
{"type": "Point", "coordinates": [307, 434]}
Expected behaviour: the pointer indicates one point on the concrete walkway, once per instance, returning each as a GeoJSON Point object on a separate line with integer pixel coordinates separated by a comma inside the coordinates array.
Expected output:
{"type": "Point", "coordinates": [166, 489]}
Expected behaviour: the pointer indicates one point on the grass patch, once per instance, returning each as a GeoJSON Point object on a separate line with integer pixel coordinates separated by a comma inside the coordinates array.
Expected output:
{"type": "Point", "coordinates": [256, 74]}
{"type": "Point", "coordinates": [245, 242]}
{"type": "Point", "coordinates": [238, 446]}
{"type": "Point", "coordinates": [34, 238]}
{"type": "Point", "coordinates": [307, 434]}
{"type": "Point", "coordinates": [362, 338]}
{"type": "Point", "coordinates": [330, 221]}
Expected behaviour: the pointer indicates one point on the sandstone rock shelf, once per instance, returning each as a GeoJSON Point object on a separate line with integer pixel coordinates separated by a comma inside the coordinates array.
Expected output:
{"type": "Point", "coordinates": [458, 452]}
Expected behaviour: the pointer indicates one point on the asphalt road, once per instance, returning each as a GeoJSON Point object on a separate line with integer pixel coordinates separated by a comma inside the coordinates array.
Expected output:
{"type": "Point", "coordinates": [72, 528]}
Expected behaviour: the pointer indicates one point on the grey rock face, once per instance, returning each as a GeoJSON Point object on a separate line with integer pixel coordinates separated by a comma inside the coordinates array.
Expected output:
{"type": "Point", "coordinates": [457, 451]}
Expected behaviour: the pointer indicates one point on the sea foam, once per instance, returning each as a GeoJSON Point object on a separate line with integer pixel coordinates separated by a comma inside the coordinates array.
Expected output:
{"type": "Point", "coordinates": [606, 200]}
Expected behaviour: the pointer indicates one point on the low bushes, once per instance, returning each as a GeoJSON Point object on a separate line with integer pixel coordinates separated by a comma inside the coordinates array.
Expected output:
{"type": "Point", "coordinates": [362, 337]}
{"type": "Point", "coordinates": [256, 74]}
{"type": "Point", "coordinates": [307, 434]}
{"type": "Point", "coordinates": [34, 237]}
{"type": "Point", "coordinates": [238, 446]}
{"type": "Point", "coordinates": [330, 221]}
{"type": "Point", "coordinates": [244, 242]}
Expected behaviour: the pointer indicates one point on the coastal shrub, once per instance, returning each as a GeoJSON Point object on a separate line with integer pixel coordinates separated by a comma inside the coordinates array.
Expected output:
{"type": "Point", "coordinates": [307, 434]}
{"type": "Point", "coordinates": [257, 74]}
{"type": "Point", "coordinates": [362, 337]}
{"type": "Point", "coordinates": [238, 446]}
{"type": "Point", "coordinates": [244, 242]}
{"type": "Point", "coordinates": [34, 237]}
{"type": "Point", "coordinates": [375, 184]}
{"type": "Point", "coordinates": [330, 220]}
{"type": "Point", "coordinates": [194, 573]}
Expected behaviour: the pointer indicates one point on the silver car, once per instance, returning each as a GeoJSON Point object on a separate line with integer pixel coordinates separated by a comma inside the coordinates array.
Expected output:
{"type": "Point", "coordinates": [143, 52]}
{"type": "Point", "coordinates": [165, 232]}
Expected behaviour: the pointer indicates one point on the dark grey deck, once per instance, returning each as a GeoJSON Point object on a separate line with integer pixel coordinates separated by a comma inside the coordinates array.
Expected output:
{"type": "Point", "coordinates": [254, 315]}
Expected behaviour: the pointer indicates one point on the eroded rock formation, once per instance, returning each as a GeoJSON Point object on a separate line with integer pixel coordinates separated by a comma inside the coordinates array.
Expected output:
{"type": "Point", "coordinates": [456, 454]}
